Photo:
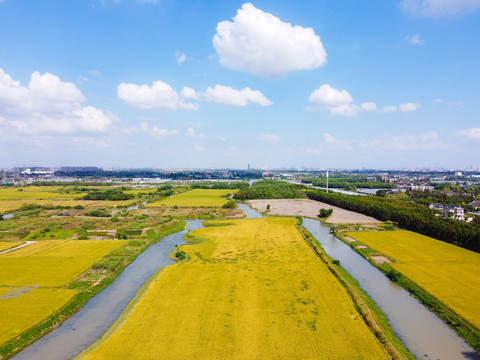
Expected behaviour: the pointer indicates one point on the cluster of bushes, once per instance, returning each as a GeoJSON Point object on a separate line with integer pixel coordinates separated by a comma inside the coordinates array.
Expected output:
{"type": "Point", "coordinates": [270, 189]}
{"type": "Point", "coordinates": [325, 213]}
{"type": "Point", "coordinates": [110, 194]}
{"type": "Point", "coordinates": [229, 205]}
{"type": "Point", "coordinates": [97, 213]}
{"type": "Point", "coordinates": [409, 215]}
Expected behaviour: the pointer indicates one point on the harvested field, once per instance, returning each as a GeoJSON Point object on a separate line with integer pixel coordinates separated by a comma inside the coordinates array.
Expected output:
{"type": "Point", "coordinates": [310, 208]}
{"type": "Point", "coordinates": [254, 290]}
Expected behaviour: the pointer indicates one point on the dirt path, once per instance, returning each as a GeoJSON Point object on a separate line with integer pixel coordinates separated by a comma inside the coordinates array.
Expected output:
{"type": "Point", "coordinates": [18, 247]}
{"type": "Point", "coordinates": [310, 208]}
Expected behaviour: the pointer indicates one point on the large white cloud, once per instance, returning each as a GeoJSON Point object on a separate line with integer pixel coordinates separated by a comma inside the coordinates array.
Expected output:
{"type": "Point", "coordinates": [48, 104]}
{"type": "Point", "coordinates": [260, 43]}
{"type": "Point", "coordinates": [239, 98]}
{"type": "Point", "coordinates": [159, 95]}
{"type": "Point", "coordinates": [439, 8]}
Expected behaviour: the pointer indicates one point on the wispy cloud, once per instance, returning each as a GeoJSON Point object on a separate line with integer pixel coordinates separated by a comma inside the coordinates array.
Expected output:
{"type": "Point", "coordinates": [439, 8]}
{"type": "Point", "coordinates": [415, 40]}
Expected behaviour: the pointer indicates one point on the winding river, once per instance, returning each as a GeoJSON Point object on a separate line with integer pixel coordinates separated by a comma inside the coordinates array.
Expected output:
{"type": "Point", "coordinates": [422, 332]}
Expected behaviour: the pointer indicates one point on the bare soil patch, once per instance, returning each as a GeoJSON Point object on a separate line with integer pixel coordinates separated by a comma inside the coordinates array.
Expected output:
{"type": "Point", "coordinates": [311, 208]}
{"type": "Point", "coordinates": [380, 260]}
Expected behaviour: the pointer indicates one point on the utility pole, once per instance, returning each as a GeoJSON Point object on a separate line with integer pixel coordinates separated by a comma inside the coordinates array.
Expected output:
{"type": "Point", "coordinates": [327, 181]}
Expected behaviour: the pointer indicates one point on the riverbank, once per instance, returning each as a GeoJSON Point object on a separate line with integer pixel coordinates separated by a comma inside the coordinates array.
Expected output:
{"type": "Point", "coordinates": [456, 322]}
{"type": "Point", "coordinates": [370, 312]}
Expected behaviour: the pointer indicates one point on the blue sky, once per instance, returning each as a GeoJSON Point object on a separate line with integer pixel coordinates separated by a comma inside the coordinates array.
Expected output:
{"type": "Point", "coordinates": [200, 84]}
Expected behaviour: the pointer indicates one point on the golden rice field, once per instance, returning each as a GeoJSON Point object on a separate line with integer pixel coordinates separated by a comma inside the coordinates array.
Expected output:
{"type": "Point", "coordinates": [67, 248]}
{"type": "Point", "coordinates": [446, 271]}
{"type": "Point", "coordinates": [31, 277]}
{"type": "Point", "coordinates": [36, 193]}
{"type": "Point", "coordinates": [196, 198]}
{"type": "Point", "coordinates": [5, 245]}
{"type": "Point", "coordinates": [20, 309]}
{"type": "Point", "coordinates": [254, 290]}
{"type": "Point", "coordinates": [52, 263]}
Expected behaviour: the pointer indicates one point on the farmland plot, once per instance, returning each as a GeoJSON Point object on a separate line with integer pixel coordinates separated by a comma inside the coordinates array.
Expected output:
{"type": "Point", "coordinates": [196, 198]}
{"type": "Point", "coordinates": [254, 290]}
{"type": "Point", "coordinates": [446, 271]}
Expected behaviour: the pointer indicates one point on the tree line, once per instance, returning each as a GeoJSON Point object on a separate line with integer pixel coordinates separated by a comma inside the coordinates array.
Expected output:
{"type": "Point", "coordinates": [270, 189]}
{"type": "Point", "coordinates": [409, 215]}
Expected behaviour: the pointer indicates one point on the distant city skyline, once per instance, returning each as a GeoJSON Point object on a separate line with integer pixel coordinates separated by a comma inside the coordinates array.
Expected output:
{"type": "Point", "coordinates": [232, 84]}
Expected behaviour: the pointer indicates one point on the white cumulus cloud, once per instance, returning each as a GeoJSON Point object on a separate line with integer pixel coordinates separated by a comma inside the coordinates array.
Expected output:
{"type": "Point", "coordinates": [189, 93]}
{"type": "Point", "coordinates": [49, 104]}
{"type": "Point", "coordinates": [239, 98]}
{"type": "Point", "coordinates": [338, 102]}
{"type": "Point", "coordinates": [260, 43]}
{"type": "Point", "coordinates": [439, 8]}
{"type": "Point", "coordinates": [409, 107]}
{"type": "Point", "coordinates": [159, 95]}
{"type": "Point", "coordinates": [369, 106]}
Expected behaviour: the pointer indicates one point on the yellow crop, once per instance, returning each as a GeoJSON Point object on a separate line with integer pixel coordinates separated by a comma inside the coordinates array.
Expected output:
{"type": "Point", "coordinates": [5, 245]}
{"type": "Point", "coordinates": [446, 271]}
{"type": "Point", "coordinates": [254, 290]}
{"type": "Point", "coordinates": [196, 198]}
{"type": "Point", "coordinates": [41, 271]}
{"type": "Point", "coordinates": [67, 248]}
{"type": "Point", "coordinates": [52, 262]}
{"type": "Point", "coordinates": [36, 192]}
{"type": "Point", "coordinates": [19, 312]}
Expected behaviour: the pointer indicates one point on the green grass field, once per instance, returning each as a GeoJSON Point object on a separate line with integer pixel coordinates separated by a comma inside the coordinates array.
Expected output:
{"type": "Point", "coordinates": [196, 198]}
{"type": "Point", "coordinates": [446, 271]}
{"type": "Point", "coordinates": [254, 290]}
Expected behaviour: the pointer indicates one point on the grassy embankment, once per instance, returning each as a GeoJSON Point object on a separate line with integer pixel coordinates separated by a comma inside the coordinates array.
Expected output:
{"type": "Point", "coordinates": [442, 276]}
{"type": "Point", "coordinates": [253, 290]}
